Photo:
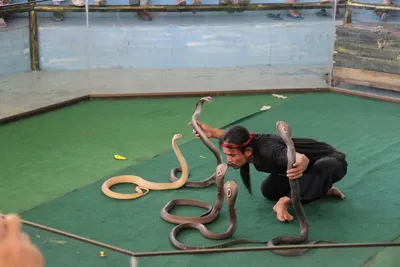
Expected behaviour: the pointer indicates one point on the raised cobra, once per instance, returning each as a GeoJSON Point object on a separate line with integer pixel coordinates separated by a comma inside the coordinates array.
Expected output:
{"type": "Point", "coordinates": [206, 141]}
{"type": "Point", "coordinates": [230, 190]}
{"type": "Point", "coordinates": [143, 186]}
{"type": "Point", "coordinates": [212, 211]}
{"type": "Point", "coordinates": [285, 133]}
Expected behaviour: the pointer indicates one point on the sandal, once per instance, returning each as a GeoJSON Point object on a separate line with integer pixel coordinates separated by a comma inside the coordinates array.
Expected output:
{"type": "Point", "coordinates": [58, 16]}
{"type": "Point", "coordinates": [322, 13]}
{"type": "Point", "coordinates": [275, 16]}
{"type": "Point", "coordinates": [383, 15]}
{"type": "Point", "coordinates": [294, 15]}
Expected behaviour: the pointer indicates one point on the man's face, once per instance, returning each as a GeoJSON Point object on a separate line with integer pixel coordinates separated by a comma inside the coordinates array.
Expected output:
{"type": "Point", "coordinates": [236, 159]}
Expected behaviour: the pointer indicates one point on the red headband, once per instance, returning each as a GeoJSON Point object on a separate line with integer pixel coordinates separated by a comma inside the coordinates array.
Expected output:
{"type": "Point", "coordinates": [227, 145]}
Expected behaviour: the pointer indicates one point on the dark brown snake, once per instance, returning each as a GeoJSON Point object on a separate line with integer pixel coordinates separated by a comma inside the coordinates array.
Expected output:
{"type": "Point", "coordinates": [212, 211]}
{"type": "Point", "coordinates": [206, 141]}
{"type": "Point", "coordinates": [230, 191]}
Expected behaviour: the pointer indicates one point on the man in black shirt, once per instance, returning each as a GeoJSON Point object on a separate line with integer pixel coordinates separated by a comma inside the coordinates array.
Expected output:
{"type": "Point", "coordinates": [318, 165]}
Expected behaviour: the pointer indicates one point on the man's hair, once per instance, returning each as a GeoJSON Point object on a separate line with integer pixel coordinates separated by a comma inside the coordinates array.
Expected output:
{"type": "Point", "coordinates": [239, 138]}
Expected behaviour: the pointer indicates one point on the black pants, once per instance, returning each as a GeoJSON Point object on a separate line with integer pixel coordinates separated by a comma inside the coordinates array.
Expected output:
{"type": "Point", "coordinates": [314, 183]}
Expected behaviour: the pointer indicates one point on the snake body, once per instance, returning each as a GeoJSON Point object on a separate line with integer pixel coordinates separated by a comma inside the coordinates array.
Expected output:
{"type": "Point", "coordinates": [144, 186]}
{"type": "Point", "coordinates": [206, 141]}
{"type": "Point", "coordinates": [212, 211]}
{"type": "Point", "coordinates": [230, 191]}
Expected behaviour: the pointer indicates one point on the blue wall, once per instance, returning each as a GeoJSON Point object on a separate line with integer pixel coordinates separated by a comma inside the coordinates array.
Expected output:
{"type": "Point", "coordinates": [194, 41]}
{"type": "Point", "coordinates": [14, 50]}
{"type": "Point", "coordinates": [172, 40]}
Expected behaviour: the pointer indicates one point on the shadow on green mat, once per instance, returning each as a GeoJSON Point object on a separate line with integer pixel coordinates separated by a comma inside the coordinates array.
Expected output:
{"type": "Point", "coordinates": [61, 151]}
{"type": "Point", "coordinates": [366, 130]}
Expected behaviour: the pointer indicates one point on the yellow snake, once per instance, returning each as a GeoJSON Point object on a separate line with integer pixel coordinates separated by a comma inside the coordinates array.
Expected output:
{"type": "Point", "coordinates": [142, 186]}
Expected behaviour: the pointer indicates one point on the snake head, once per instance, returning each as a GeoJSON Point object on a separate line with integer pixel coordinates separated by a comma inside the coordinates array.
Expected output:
{"type": "Point", "coordinates": [207, 98]}
{"type": "Point", "coordinates": [231, 191]}
{"type": "Point", "coordinates": [283, 128]}
{"type": "Point", "coordinates": [221, 171]}
{"type": "Point", "coordinates": [177, 136]}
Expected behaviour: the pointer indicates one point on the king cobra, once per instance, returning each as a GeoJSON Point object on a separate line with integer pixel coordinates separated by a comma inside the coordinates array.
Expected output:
{"type": "Point", "coordinates": [230, 190]}
{"type": "Point", "coordinates": [143, 186]}
{"type": "Point", "coordinates": [206, 141]}
{"type": "Point", "coordinates": [212, 211]}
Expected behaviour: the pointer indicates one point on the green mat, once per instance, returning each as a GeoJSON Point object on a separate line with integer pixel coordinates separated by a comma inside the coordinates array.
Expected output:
{"type": "Point", "coordinates": [49, 155]}
{"type": "Point", "coordinates": [366, 130]}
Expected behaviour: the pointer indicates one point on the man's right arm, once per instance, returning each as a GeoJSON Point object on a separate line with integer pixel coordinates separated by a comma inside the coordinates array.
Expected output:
{"type": "Point", "coordinates": [218, 133]}
{"type": "Point", "coordinates": [211, 132]}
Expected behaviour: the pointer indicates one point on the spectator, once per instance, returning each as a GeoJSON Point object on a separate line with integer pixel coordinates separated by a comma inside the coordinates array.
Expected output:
{"type": "Point", "coordinates": [59, 16]}
{"type": "Point", "coordinates": [3, 22]}
{"type": "Point", "coordinates": [232, 2]}
{"type": "Point", "coordinates": [183, 2]}
{"type": "Point", "coordinates": [324, 13]}
{"type": "Point", "coordinates": [16, 248]}
{"type": "Point", "coordinates": [292, 13]}
{"type": "Point", "coordinates": [384, 14]}
{"type": "Point", "coordinates": [144, 15]}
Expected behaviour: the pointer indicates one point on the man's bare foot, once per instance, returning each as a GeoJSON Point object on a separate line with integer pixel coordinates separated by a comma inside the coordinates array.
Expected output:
{"type": "Point", "coordinates": [336, 193]}
{"type": "Point", "coordinates": [281, 209]}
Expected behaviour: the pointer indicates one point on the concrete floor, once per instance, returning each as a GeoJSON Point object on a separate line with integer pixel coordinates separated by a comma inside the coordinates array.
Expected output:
{"type": "Point", "coordinates": [32, 90]}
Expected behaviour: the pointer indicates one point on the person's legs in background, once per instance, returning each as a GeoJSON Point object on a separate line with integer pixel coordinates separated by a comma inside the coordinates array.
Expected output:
{"type": "Point", "coordinates": [59, 16]}
{"type": "Point", "coordinates": [384, 14]}
{"type": "Point", "coordinates": [3, 22]}
{"type": "Point", "coordinates": [324, 13]}
{"type": "Point", "coordinates": [144, 15]}
{"type": "Point", "coordinates": [100, 2]}
{"type": "Point", "coordinates": [291, 14]}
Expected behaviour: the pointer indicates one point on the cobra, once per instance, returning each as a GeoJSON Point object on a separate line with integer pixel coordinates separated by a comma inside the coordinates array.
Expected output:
{"type": "Point", "coordinates": [285, 133]}
{"type": "Point", "coordinates": [230, 190]}
{"type": "Point", "coordinates": [143, 186]}
{"type": "Point", "coordinates": [206, 141]}
{"type": "Point", "coordinates": [212, 211]}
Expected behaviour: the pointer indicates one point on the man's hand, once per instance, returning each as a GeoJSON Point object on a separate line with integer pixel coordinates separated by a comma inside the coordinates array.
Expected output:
{"type": "Point", "coordinates": [16, 248]}
{"type": "Point", "coordinates": [298, 167]}
{"type": "Point", "coordinates": [209, 131]}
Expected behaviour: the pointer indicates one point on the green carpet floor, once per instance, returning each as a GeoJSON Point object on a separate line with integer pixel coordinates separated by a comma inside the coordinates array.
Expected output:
{"type": "Point", "coordinates": [366, 130]}
{"type": "Point", "coordinates": [49, 155]}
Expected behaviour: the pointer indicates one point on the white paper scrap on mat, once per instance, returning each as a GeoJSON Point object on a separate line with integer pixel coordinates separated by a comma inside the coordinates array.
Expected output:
{"type": "Point", "coordinates": [265, 108]}
{"type": "Point", "coordinates": [279, 96]}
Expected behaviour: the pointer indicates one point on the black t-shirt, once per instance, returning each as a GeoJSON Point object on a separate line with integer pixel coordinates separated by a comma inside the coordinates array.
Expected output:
{"type": "Point", "coordinates": [270, 152]}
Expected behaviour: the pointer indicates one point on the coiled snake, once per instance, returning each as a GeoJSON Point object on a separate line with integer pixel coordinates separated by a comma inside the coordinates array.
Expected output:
{"type": "Point", "coordinates": [230, 192]}
{"type": "Point", "coordinates": [143, 186]}
{"type": "Point", "coordinates": [212, 211]}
